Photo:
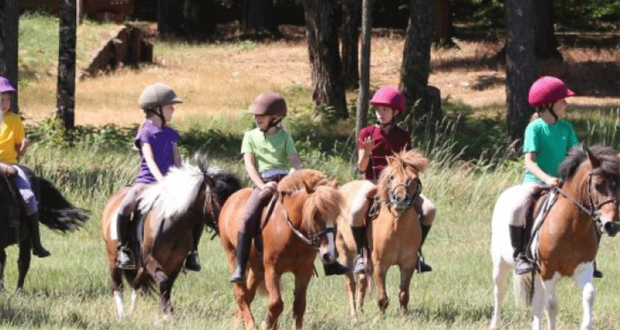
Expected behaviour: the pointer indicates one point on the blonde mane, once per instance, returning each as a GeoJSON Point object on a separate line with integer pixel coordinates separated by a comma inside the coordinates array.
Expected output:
{"type": "Point", "coordinates": [397, 167]}
{"type": "Point", "coordinates": [302, 179]}
{"type": "Point", "coordinates": [175, 194]}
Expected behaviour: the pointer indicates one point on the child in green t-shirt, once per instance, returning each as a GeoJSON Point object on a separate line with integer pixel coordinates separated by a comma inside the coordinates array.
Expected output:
{"type": "Point", "coordinates": [546, 143]}
{"type": "Point", "coordinates": [269, 154]}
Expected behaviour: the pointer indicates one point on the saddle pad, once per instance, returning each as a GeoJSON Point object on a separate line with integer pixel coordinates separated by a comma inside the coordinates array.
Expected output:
{"type": "Point", "coordinates": [546, 205]}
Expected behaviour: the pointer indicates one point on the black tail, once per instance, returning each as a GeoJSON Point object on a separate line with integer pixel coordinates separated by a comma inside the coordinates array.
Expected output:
{"type": "Point", "coordinates": [56, 212]}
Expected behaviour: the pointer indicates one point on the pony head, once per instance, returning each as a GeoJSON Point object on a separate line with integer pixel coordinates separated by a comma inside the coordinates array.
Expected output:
{"type": "Point", "coordinates": [399, 184]}
{"type": "Point", "coordinates": [596, 172]}
{"type": "Point", "coordinates": [319, 211]}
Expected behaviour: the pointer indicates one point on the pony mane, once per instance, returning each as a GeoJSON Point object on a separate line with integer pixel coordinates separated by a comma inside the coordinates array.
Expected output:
{"type": "Point", "coordinates": [610, 164]}
{"type": "Point", "coordinates": [302, 179]}
{"type": "Point", "coordinates": [175, 194]}
{"type": "Point", "coordinates": [397, 165]}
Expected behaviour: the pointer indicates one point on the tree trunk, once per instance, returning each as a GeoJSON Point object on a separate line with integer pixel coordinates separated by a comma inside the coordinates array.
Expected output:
{"type": "Point", "coordinates": [9, 32]}
{"type": "Point", "coordinates": [546, 42]}
{"type": "Point", "coordinates": [65, 97]}
{"type": "Point", "coordinates": [322, 33]}
{"type": "Point", "coordinates": [520, 66]}
{"type": "Point", "coordinates": [415, 68]}
{"type": "Point", "coordinates": [443, 24]}
{"type": "Point", "coordinates": [199, 17]}
{"type": "Point", "coordinates": [364, 95]}
{"type": "Point", "coordinates": [350, 42]}
{"type": "Point", "coordinates": [258, 17]}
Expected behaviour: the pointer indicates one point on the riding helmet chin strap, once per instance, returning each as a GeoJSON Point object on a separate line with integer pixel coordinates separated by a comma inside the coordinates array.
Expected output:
{"type": "Point", "coordinates": [272, 123]}
{"type": "Point", "coordinates": [550, 108]}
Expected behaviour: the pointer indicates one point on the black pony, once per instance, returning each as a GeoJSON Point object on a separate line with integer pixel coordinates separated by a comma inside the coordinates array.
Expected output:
{"type": "Point", "coordinates": [55, 212]}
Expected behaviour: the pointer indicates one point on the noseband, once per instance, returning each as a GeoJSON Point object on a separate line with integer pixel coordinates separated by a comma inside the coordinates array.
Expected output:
{"type": "Point", "coordinates": [410, 197]}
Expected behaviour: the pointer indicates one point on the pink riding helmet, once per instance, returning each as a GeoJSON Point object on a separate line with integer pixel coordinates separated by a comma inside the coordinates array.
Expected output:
{"type": "Point", "coordinates": [389, 97]}
{"type": "Point", "coordinates": [5, 86]}
{"type": "Point", "coordinates": [548, 90]}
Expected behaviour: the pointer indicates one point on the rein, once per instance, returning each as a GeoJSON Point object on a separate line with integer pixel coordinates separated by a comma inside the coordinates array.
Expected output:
{"type": "Point", "coordinates": [312, 240]}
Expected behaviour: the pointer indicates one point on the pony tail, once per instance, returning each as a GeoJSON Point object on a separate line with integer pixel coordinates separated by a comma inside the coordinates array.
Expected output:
{"type": "Point", "coordinates": [325, 203]}
{"type": "Point", "coordinates": [523, 290]}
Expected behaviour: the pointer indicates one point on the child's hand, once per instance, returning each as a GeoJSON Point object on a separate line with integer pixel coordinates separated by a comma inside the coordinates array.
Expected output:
{"type": "Point", "coordinates": [554, 182]}
{"type": "Point", "coordinates": [368, 145]}
{"type": "Point", "coordinates": [271, 185]}
{"type": "Point", "coordinates": [26, 142]}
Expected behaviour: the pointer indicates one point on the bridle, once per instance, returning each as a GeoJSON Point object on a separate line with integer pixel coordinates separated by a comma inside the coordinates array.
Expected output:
{"type": "Point", "coordinates": [593, 207]}
{"type": "Point", "coordinates": [311, 240]}
{"type": "Point", "coordinates": [409, 197]}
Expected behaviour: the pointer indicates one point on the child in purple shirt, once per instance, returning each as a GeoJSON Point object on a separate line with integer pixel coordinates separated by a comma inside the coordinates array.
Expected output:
{"type": "Point", "coordinates": [375, 143]}
{"type": "Point", "coordinates": [157, 146]}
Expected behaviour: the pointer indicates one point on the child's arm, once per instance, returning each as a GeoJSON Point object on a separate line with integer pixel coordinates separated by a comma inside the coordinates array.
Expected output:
{"type": "Point", "coordinates": [147, 153]}
{"type": "Point", "coordinates": [295, 162]}
{"type": "Point", "coordinates": [363, 154]}
{"type": "Point", "coordinates": [530, 164]}
{"type": "Point", "coordinates": [177, 156]}
{"type": "Point", "coordinates": [248, 159]}
{"type": "Point", "coordinates": [23, 146]}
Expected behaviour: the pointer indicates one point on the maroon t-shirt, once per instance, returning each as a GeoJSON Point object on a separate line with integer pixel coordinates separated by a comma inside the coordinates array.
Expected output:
{"type": "Point", "coordinates": [394, 141]}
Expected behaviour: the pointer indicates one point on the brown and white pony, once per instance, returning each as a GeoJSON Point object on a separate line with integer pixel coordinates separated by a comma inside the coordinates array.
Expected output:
{"type": "Point", "coordinates": [394, 236]}
{"type": "Point", "coordinates": [301, 225]}
{"type": "Point", "coordinates": [567, 240]}
{"type": "Point", "coordinates": [189, 195]}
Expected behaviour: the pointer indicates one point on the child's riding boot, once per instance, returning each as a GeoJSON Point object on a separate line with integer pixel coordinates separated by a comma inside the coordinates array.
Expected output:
{"type": "Point", "coordinates": [335, 268]}
{"type": "Point", "coordinates": [33, 230]}
{"type": "Point", "coordinates": [422, 266]}
{"type": "Point", "coordinates": [522, 263]}
{"type": "Point", "coordinates": [124, 256]}
{"type": "Point", "coordinates": [359, 266]}
{"type": "Point", "coordinates": [191, 262]}
{"type": "Point", "coordinates": [244, 241]}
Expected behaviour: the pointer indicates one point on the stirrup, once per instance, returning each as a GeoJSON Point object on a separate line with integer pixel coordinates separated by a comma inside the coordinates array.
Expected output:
{"type": "Point", "coordinates": [423, 267]}
{"type": "Point", "coordinates": [335, 268]}
{"type": "Point", "coordinates": [360, 265]}
{"type": "Point", "coordinates": [523, 265]}
{"type": "Point", "coordinates": [124, 259]}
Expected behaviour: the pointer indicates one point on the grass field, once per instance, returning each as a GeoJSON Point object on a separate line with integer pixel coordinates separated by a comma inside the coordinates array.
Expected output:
{"type": "Point", "coordinates": [70, 290]}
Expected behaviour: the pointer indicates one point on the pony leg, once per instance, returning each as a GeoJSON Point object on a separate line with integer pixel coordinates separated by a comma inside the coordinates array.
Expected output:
{"type": "Point", "coordinates": [583, 278]}
{"type": "Point", "coordinates": [551, 303]}
{"type": "Point", "coordinates": [349, 287]}
{"type": "Point", "coordinates": [116, 276]}
{"type": "Point", "coordinates": [382, 298]}
{"type": "Point", "coordinates": [164, 284]}
{"type": "Point", "coordinates": [500, 271]}
{"type": "Point", "coordinates": [405, 281]}
{"type": "Point", "coordinates": [272, 282]}
{"type": "Point", "coordinates": [362, 288]}
{"type": "Point", "coordinates": [23, 262]}
{"type": "Point", "coordinates": [538, 301]}
{"type": "Point", "coordinates": [134, 301]}
{"type": "Point", "coordinates": [2, 265]}
{"type": "Point", "coordinates": [299, 305]}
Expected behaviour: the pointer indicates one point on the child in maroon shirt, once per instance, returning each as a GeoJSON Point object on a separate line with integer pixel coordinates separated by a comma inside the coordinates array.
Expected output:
{"type": "Point", "coordinates": [374, 144]}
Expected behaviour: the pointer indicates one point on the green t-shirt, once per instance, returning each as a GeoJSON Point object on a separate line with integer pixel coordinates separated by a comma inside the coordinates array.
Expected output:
{"type": "Point", "coordinates": [550, 143]}
{"type": "Point", "coordinates": [271, 152]}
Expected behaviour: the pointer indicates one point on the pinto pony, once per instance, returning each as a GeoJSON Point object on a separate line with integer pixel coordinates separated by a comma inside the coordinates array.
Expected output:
{"type": "Point", "coordinates": [299, 224]}
{"type": "Point", "coordinates": [567, 240]}
{"type": "Point", "coordinates": [394, 236]}
{"type": "Point", "coordinates": [189, 195]}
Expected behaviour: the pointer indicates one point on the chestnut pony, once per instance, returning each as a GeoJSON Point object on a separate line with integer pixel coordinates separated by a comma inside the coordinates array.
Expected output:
{"type": "Point", "coordinates": [301, 224]}
{"type": "Point", "coordinates": [565, 245]}
{"type": "Point", "coordinates": [394, 236]}
{"type": "Point", "coordinates": [188, 195]}
{"type": "Point", "coordinates": [55, 212]}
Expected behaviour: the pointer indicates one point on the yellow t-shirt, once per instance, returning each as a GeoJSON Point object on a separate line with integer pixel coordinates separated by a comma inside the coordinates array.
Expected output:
{"type": "Point", "coordinates": [11, 134]}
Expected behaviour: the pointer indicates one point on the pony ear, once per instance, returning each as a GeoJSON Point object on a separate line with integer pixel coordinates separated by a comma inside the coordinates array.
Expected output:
{"type": "Point", "coordinates": [333, 183]}
{"type": "Point", "coordinates": [391, 160]}
{"type": "Point", "coordinates": [593, 159]}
